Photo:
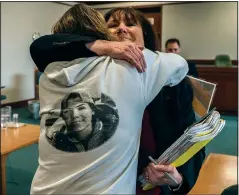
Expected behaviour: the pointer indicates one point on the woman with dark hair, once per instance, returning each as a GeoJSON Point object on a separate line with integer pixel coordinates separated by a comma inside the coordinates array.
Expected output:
{"type": "Point", "coordinates": [165, 118]}
{"type": "Point", "coordinates": [168, 114]}
{"type": "Point", "coordinates": [132, 17]}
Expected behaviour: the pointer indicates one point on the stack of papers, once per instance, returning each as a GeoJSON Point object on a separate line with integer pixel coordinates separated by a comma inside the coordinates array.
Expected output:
{"type": "Point", "coordinates": [194, 138]}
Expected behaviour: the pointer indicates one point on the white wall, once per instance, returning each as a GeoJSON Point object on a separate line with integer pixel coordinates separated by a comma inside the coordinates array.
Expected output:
{"type": "Point", "coordinates": [204, 29]}
{"type": "Point", "coordinates": [237, 35]}
{"type": "Point", "coordinates": [103, 8]}
{"type": "Point", "coordinates": [19, 20]}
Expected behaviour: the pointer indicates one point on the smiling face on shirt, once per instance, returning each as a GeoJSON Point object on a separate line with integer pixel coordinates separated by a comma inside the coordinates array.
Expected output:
{"type": "Point", "coordinates": [126, 29]}
{"type": "Point", "coordinates": [78, 117]}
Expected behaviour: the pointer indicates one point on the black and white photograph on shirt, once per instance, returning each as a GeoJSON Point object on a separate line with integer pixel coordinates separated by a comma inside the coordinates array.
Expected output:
{"type": "Point", "coordinates": [83, 122]}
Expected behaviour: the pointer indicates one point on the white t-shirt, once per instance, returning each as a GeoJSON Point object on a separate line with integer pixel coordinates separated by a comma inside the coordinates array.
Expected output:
{"type": "Point", "coordinates": [92, 110]}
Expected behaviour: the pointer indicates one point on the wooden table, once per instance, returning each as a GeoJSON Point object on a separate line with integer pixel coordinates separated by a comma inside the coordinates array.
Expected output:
{"type": "Point", "coordinates": [13, 139]}
{"type": "Point", "coordinates": [217, 173]}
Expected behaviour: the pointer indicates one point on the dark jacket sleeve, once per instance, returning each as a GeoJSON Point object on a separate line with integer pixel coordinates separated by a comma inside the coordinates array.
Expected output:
{"type": "Point", "coordinates": [192, 70]}
{"type": "Point", "coordinates": [171, 112]}
{"type": "Point", "coordinates": [190, 170]}
{"type": "Point", "coordinates": [59, 47]}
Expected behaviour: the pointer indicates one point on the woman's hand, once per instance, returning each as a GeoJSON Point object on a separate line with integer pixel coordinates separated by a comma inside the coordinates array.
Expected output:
{"type": "Point", "coordinates": [120, 50]}
{"type": "Point", "coordinates": [155, 174]}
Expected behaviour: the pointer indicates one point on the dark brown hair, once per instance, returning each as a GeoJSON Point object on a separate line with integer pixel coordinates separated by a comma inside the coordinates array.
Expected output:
{"type": "Point", "coordinates": [136, 17]}
{"type": "Point", "coordinates": [172, 40]}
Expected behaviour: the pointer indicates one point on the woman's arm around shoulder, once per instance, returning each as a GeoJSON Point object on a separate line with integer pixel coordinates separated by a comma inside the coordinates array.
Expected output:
{"type": "Point", "coordinates": [59, 47]}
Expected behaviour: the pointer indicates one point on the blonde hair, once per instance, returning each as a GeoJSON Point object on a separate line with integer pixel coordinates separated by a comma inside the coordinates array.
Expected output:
{"type": "Point", "coordinates": [82, 19]}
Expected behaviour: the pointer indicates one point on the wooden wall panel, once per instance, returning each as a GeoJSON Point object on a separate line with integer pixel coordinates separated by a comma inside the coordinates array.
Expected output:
{"type": "Point", "coordinates": [226, 97]}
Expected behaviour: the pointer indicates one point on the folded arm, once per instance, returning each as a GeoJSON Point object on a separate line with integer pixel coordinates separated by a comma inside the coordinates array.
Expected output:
{"type": "Point", "coordinates": [59, 47]}
{"type": "Point", "coordinates": [67, 47]}
{"type": "Point", "coordinates": [163, 69]}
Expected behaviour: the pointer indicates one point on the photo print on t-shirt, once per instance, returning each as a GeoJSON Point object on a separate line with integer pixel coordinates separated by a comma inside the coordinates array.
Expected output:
{"type": "Point", "coordinates": [83, 123]}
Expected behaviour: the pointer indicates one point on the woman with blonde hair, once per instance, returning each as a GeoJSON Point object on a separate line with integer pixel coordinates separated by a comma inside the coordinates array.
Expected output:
{"type": "Point", "coordinates": [82, 19]}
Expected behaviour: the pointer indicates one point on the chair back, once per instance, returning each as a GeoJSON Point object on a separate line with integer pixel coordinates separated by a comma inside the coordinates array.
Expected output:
{"type": "Point", "coordinates": [223, 60]}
